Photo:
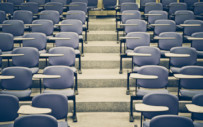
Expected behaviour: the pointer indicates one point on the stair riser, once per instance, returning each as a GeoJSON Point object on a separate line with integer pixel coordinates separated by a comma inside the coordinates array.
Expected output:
{"type": "Point", "coordinates": [100, 27]}
{"type": "Point", "coordinates": [101, 37]}
{"type": "Point", "coordinates": [102, 49]}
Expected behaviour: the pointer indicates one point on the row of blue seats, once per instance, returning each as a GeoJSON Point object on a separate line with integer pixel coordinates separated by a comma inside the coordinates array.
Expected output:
{"type": "Point", "coordinates": [165, 112]}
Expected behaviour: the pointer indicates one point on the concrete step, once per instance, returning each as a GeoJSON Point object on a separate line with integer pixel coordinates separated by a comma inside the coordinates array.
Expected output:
{"type": "Point", "coordinates": [102, 47]}
{"type": "Point", "coordinates": [109, 78]}
{"type": "Point", "coordinates": [101, 36]}
{"type": "Point", "coordinates": [102, 25]}
{"type": "Point", "coordinates": [108, 60]}
{"type": "Point", "coordinates": [105, 100]}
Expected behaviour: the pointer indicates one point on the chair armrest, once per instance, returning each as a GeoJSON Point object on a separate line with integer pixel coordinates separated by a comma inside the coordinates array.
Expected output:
{"type": "Point", "coordinates": [182, 76]}
{"type": "Point", "coordinates": [42, 76]}
{"type": "Point", "coordinates": [6, 77]}
{"type": "Point", "coordinates": [194, 108]}
{"type": "Point", "coordinates": [11, 55]}
{"type": "Point", "coordinates": [22, 39]}
{"type": "Point", "coordinates": [138, 54]}
{"type": "Point", "coordinates": [176, 55]}
{"type": "Point", "coordinates": [27, 109]}
{"type": "Point", "coordinates": [140, 76]}
{"type": "Point", "coordinates": [149, 108]}
{"type": "Point", "coordinates": [50, 55]}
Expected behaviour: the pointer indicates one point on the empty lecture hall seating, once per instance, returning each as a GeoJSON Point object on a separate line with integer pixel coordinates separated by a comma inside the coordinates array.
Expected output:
{"type": "Point", "coordinates": [155, 46]}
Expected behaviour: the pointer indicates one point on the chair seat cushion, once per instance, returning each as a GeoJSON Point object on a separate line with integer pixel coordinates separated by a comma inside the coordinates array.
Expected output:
{"type": "Point", "coordinates": [190, 93]}
{"type": "Point", "coordinates": [7, 125]}
{"type": "Point", "coordinates": [62, 124]}
{"type": "Point", "coordinates": [142, 92]}
{"type": "Point", "coordinates": [34, 70]}
{"type": "Point", "coordinates": [20, 93]}
{"type": "Point", "coordinates": [146, 123]}
{"type": "Point", "coordinates": [197, 124]}
{"type": "Point", "coordinates": [175, 70]}
{"type": "Point", "coordinates": [66, 92]}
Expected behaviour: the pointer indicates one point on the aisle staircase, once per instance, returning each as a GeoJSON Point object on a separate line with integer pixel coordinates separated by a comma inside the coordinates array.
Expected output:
{"type": "Point", "coordinates": [102, 99]}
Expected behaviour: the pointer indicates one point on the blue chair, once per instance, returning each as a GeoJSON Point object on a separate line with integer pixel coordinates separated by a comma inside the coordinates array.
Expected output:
{"type": "Point", "coordinates": [153, 18]}
{"type": "Point", "coordinates": [79, 15]}
{"type": "Point", "coordinates": [150, 6]}
{"type": "Point", "coordinates": [30, 59]}
{"type": "Point", "coordinates": [45, 26]}
{"type": "Point", "coordinates": [2, 16]}
{"type": "Point", "coordinates": [166, 3]}
{"type": "Point", "coordinates": [16, 2]}
{"type": "Point", "coordinates": [183, 15]}
{"type": "Point", "coordinates": [9, 107]}
{"type": "Point", "coordinates": [198, 10]}
{"type": "Point", "coordinates": [128, 6]}
{"type": "Point", "coordinates": [109, 4]}
{"type": "Point", "coordinates": [173, 7]}
{"type": "Point", "coordinates": [83, 1]}
{"type": "Point", "coordinates": [64, 85]}
{"type": "Point", "coordinates": [161, 15]}
{"type": "Point", "coordinates": [36, 121]}
{"type": "Point", "coordinates": [143, 39]}
{"type": "Point", "coordinates": [57, 103]}
{"type": "Point", "coordinates": [160, 83]}
{"type": "Point", "coordinates": [140, 27]}
{"type": "Point", "coordinates": [21, 85]}
{"type": "Point", "coordinates": [124, 1]}
{"type": "Point", "coordinates": [169, 27]}
{"type": "Point", "coordinates": [80, 6]}
{"type": "Point", "coordinates": [64, 2]}
{"type": "Point", "coordinates": [190, 3]}
{"type": "Point", "coordinates": [15, 27]}
{"type": "Point", "coordinates": [30, 6]}
{"type": "Point", "coordinates": [157, 85]}
{"type": "Point", "coordinates": [157, 99]}
{"type": "Point", "coordinates": [76, 26]}
{"type": "Point", "coordinates": [67, 60]}
{"type": "Point", "coordinates": [171, 121]}
{"type": "Point", "coordinates": [39, 2]}
{"type": "Point", "coordinates": [6, 43]}
{"type": "Point", "coordinates": [135, 15]}
{"type": "Point", "coordinates": [165, 45]}
{"type": "Point", "coordinates": [197, 100]}
{"type": "Point", "coordinates": [189, 30]}
{"type": "Point", "coordinates": [7, 7]}
{"type": "Point", "coordinates": [176, 63]}
{"type": "Point", "coordinates": [23, 15]}
{"type": "Point", "coordinates": [50, 15]}
{"type": "Point", "coordinates": [92, 4]}
{"type": "Point", "coordinates": [127, 15]}
{"type": "Point", "coordinates": [56, 6]}
{"type": "Point", "coordinates": [188, 88]}
{"type": "Point", "coordinates": [197, 44]}
{"type": "Point", "coordinates": [139, 61]}
{"type": "Point", "coordinates": [73, 42]}
{"type": "Point", "coordinates": [39, 42]}
{"type": "Point", "coordinates": [143, 2]}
